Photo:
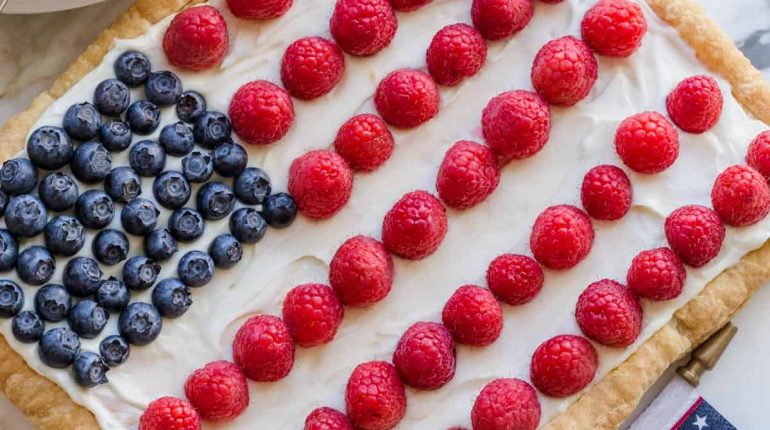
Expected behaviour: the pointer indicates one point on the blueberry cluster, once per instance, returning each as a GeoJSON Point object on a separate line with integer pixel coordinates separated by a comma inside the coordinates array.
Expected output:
{"type": "Point", "coordinates": [38, 196]}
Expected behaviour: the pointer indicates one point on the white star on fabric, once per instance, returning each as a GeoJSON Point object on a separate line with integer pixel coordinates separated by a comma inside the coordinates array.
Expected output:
{"type": "Point", "coordinates": [700, 422]}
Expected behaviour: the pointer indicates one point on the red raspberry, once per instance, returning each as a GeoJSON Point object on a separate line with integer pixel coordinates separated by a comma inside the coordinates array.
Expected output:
{"type": "Point", "coordinates": [606, 193]}
{"type": "Point", "coordinates": [327, 419]}
{"type": "Point", "coordinates": [695, 105]}
{"type": "Point", "coordinates": [169, 413]}
{"type": "Point", "coordinates": [740, 196]}
{"type": "Point", "coordinates": [415, 226]}
{"type": "Point", "coordinates": [363, 27]}
{"type": "Point", "coordinates": [647, 142]}
{"type": "Point", "coordinates": [261, 112]}
{"type": "Point", "coordinates": [515, 279]}
{"type": "Point", "coordinates": [564, 71]}
{"type": "Point", "coordinates": [614, 28]}
{"type": "Point", "coordinates": [473, 316]}
{"type": "Point", "coordinates": [311, 67]}
{"type": "Point", "coordinates": [656, 274]}
{"type": "Point", "coordinates": [456, 52]}
{"type": "Point", "coordinates": [563, 365]}
{"type": "Point", "coordinates": [258, 9]}
{"type": "Point", "coordinates": [361, 271]}
{"type": "Point", "coordinates": [196, 39]}
{"type": "Point", "coordinates": [506, 403]}
{"type": "Point", "coordinates": [313, 313]}
{"type": "Point", "coordinates": [407, 98]}
{"type": "Point", "coordinates": [498, 19]}
{"type": "Point", "coordinates": [758, 155]}
{"type": "Point", "coordinates": [218, 391]}
{"type": "Point", "coordinates": [264, 349]}
{"type": "Point", "coordinates": [375, 398]}
{"type": "Point", "coordinates": [695, 234]}
{"type": "Point", "coordinates": [516, 124]}
{"type": "Point", "coordinates": [364, 141]}
{"type": "Point", "coordinates": [468, 175]}
{"type": "Point", "coordinates": [609, 313]}
{"type": "Point", "coordinates": [408, 5]}
{"type": "Point", "coordinates": [561, 237]}
{"type": "Point", "coordinates": [425, 356]}
{"type": "Point", "coordinates": [320, 182]}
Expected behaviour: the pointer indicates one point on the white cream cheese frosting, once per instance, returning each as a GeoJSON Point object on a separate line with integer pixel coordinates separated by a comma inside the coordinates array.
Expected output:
{"type": "Point", "coordinates": [582, 137]}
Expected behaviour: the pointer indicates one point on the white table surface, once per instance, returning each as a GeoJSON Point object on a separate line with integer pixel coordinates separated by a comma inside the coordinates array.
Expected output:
{"type": "Point", "coordinates": [739, 387]}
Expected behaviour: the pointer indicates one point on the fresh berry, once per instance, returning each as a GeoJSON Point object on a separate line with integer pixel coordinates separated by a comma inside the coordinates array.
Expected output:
{"type": "Point", "coordinates": [261, 112]}
{"type": "Point", "coordinates": [407, 98]}
{"type": "Point", "coordinates": [140, 323]}
{"type": "Point", "coordinates": [365, 142]}
{"type": "Point", "coordinates": [82, 276]}
{"type": "Point", "coordinates": [656, 274]}
{"type": "Point", "coordinates": [27, 327]}
{"type": "Point", "coordinates": [614, 28]}
{"type": "Point", "coordinates": [132, 68]}
{"type": "Point", "coordinates": [218, 391]}
{"type": "Point", "coordinates": [252, 186]}
{"type": "Point", "coordinates": [516, 124]}
{"type": "Point", "coordinates": [111, 97]}
{"type": "Point", "coordinates": [172, 298]}
{"type": "Point", "coordinates": [9, 250]}
{"type": "Point", "coordinates": [609, 313]}
{"type": "Point", "coordinates": [143, 117]}
{"type": "Point", "coordinates": [113, 294]}
{"type": "Point", "coordinates": [279, 210]}
{"type": "Point", "coordinates": [53, 302]}
{"type": "Point", "coordinates": [123, 184]}
{"type": "Point", "coordinates": [49, 148]}
{"type": "Point", "coordinates": [321, 183]}
{"type": "Point", "coordinates": [18, 176]}
{"type": "Point", "coordinates": [87, 319]}
{"type": "Point", "coordinates": [408, 5]}
{"type": "Point", "coordinates": [177, 139]}
{"type": "Point", "coordinates": [311, 67]}
{"type": "Point", "coordinates": [35, 265]}
{"type": "Point", "coordinates": [468, 174]}
{"type": "Point", "coordinates": [196, 269]}
{"type": "Point", "coordinates": [64, 235]}
{"type": "Point", "coordinates": [82, 121]}
{"type": "Point", "coordinates": [515, 279]}
{"type": "Point", "coordinates": [190, 105]}
{"type": "Point", "coordinates": [561, 237]}
{"type": "Point", "coordinates": [327, 419]}
{"type": "Point", "coordinates": [415, 226]}
{"type": "Point", "coordinates": [230, 159]}
{"type": "Point", "coordinates": [140, 273]}
{"type": "Point", "coordinates": [740, 196]}
{"type": "Point", "coordinates": [498, 19]}
{"type": "Point", "coordinates": [456, 52]}
{"type": "Point", "coordinates": [198, 167]}
{"type": "Point", "coordinates": [171, 189]}
{"type": "Point", "coordinates": [115, 350]}
{"type": "Point", "coordinates": [758, 154]}
{"type": "Point", "coordinates": [94, 209]}
{"type": "Point", "coordinates": [473, 316]}
{"type": "Point", "coordinates": [115, 135]}
{"type": "Point", "coordinates": [361, 271]}
{"type": "Point", "coordinates": [563, 365]}
{"type": "Point", "coordinates": [258, 9]}
{"type": "Point", "coordinates": [226, 251]}
{"type": "Point", "coordinates": [196, 39]}
{"type": "Point", "coordinates": [160, 245]}
{"type": "Point", "coordinates": [264, 349]}
{"type": "Point", "coordinates": [147, 158]}
{"type": "Point", "coordinates": [25, 216]}
{"type": "Point", "coordinates": [215, 200]}
{"type": "Point", "coordinates": [695, 234]}
{"type": "Point", "coordinates": [312, 313]}
{"type": "Point", "coordinates": [91, 162]}
{"type": "Point", "coordinates": [606, 193]}
{"type": "Point", "coordinates": [695, 105]}
{"type": "Point", "coordinates": [564, 71]}
{"type": "Point", "coordinates": [139, 217]}
{"type": "Point", "coordinates": [247, 225]}
{"type": "Point", "coordinates": [58, 347]}
{"type": "Point", "coordinates": [186, 224]}
{"type": "Point", "coordinates": [170, 413]}
{"type": "Point", "coordinates": [363, 27]}
{"type": "Point", "coordinates": [3, 201]}
{"type": "Point", "coordinates": [425, 356]}
{"type": "Point", "coordinates": [375, 398]}
{"type": "Point", "coordinates": [90, 369]}
{"type": "Point", "coordinates": [506, 403]}
{"type": "Point", "coordinates": [211, 128]}
{"type": "Point", "coordinates": [11, 298]}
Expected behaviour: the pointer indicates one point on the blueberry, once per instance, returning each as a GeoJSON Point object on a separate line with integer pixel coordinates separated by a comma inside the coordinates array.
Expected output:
{"type": "Point", "coordinates": [95, 209]}
{"type": "Point", "coordinates": [35, 265]}
{"type": "Point", "coordinates": [123, 184]}
{"type": "Point", "coordinates": [82, 276]}
{"type": "Point", "coordinates": [113, 294]}
{"type": "Point", "coordinates": [132, 68]}
{"type": "Point", "coordinates": [163, 88]}
{"type": "Point", "coordinates": [171, 189]}
{"type": "Point", "coordinates": [215, 200]}
{"type": "Point", "coordinates": [91, 162]}
{"type": "Point", "coordinates": [186, 224]}
{"type": "Point", "coordinates": [143, 116]}
{"type": "Point", "coordinates": [64, 235]}
{"type": "Point", "coordinates": [26, 216]}
{"type": "Point", "coordinates": [198, 167]}
{"type": "Point", "coordinates": [147, 158]}
{"type": "Point", "coordinates": [53, 302]}
{"type": "Point", "coordinates": [3, 201]}
{"type": "Point", "coordinates": [82, 121]}
{"type": "Point", "coordinates": [88, 319]}
{"type": "Point", "coordinates": [226, 251]}
{"type": "Point", "coordinates": [110, 247]}
{"type": "Point", "coordinates": [59, 347]}
{"type": "Point", "coordinates": [177, 139]}
{"type": "Point", "coordinates": [11, 298]}
{"type": "Point", "coordinates": [247, 226]}
{"type": "Point", "coordinates": [58, 191]}
{"type": "Point", "coordinates": [190, 105]}
{"type": "Point", "coordinates": [111, 97]}
{"type": "Point", "coordinates": [230, 159]}
{"type": "Point", "coordinates": [211, 128]}
{"type": "Point", "coordinates": [140, 273]}
{"type": "Point", "coordinates": [114, 350]}
{"type": "Point", "coordinates": [140, 323]}
{"type": "Point", "coordinates": [9, 250]}
{"type": "Point", "coordinates": [18, 176]}
{"type": "Point", "coordinates": [252, 186]}
{"type": "Point", "coordinates": [172, 298]}
{"type": "Point", "coordinates": [27, 327]}
{"type": "Point", "coordinates": [139, 217]}
{"type": "Point", "coordinates": [160, 245]}
{"type": "Point", "coordinates": [115, 135]}
{"type": "Point", "coordinates": [90, 369]}
{"type": "Point", "coordinates": [279, 210]}
{"type": "Point", "coordinates": [196, 269]}
{"type": "Point", "coordinates": [49, 148]}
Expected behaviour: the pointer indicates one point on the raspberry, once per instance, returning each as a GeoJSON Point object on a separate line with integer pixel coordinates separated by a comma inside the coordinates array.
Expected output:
{"type": "Point", "coordinates": [415, 226]}
{"type": "Point", "coordinates": [425, 356]}
{"type": "Point", "coordinates": [564, 71]}
{"type": "Point", "coordinates": [363, 27]}
{"type": "Point", "coordinates": [313, 313]}
{"type": "Point", "coordinates": [695, 105]}
{"type": "Point", "coordinates": [758, 155]}
{"type": "Point", "coordinates": [327, 419]}
{"type": "Point", "coordinates": [456, 52]}
{"type": "Point", "coordinates": [196, 39]}
{"type": "Point", "coordinates": [740, 196]}
{"type": "Point", "coordinates": [647, 142]}
{"type": "Point", "coordinates": [264, 349]}
{"type": "Point", "coordinates": [408, 5]}
{"type": "Point", "coordinates": [468, 175]}
{"type": "Point", "coordinates": [515, 279]}
{"type": "Point", "coordinates": [169, 413]}
{"type": "Point", "coordinates": [563, 365]}
{"type": "Point", "coordinates": [561, 237]}
{"type": "Point", "coordinates": [473, 316]}
{"type": "Point", "coordinates": [375, 398]}
{"type": "Point", "coordinates": [407, 98]}
{"type": "Point", "coordinates": [609, 313]}
{"type": "Point", "coordinates": [516, 124]}
{"type": "Point", "coordinates": [695, 234]}
{"type": "Point", "coordinates": [261, 112]}
{"type": "Point", "coordinates": [606, 193]}
{"type": "Point", "coordinates": [218, 391]}
{"type": "Point", "coordinates": [498, 19]}
{"type": "Point", "coordinates": [506, 403]}
{"type": "Point", "coordinates": [311, 67]}
{"type": "Point", "coordinates": [614, 28]}
{"type": "Point", "coordinates": [258, 9]}
{"type": "Point", "coordinates": [365, 142]}
{"type": "Point", "coordinates": [656, 274]}
{"type": "Point", "coordinates": [361, 271]}
{"type": "Point", "coordinates": [320, 182]}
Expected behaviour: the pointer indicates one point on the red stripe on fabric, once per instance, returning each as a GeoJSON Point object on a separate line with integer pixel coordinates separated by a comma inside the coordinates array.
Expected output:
{"type": "Point", "coordinates": [688, 413]}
